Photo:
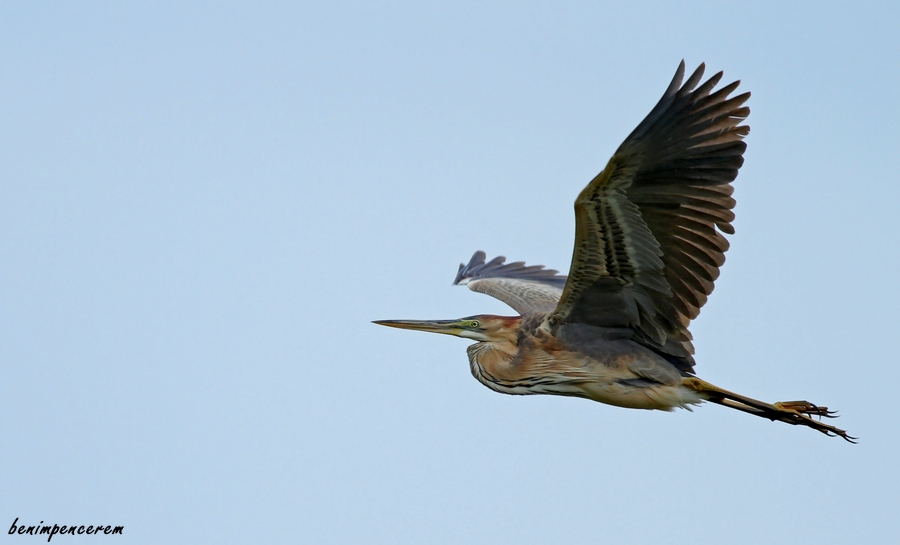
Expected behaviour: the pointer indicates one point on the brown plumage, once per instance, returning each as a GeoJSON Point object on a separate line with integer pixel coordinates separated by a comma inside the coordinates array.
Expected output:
{"type": "Point", "coordinates": [648, 247]}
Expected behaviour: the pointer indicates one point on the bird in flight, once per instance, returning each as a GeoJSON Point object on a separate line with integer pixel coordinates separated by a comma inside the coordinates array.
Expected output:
{"type": "Point", "coordinates": [648, 247]}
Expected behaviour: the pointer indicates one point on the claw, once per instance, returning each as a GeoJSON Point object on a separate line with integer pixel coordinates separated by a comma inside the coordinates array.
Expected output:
{"type": "Point", "coordinates": [846, 437]}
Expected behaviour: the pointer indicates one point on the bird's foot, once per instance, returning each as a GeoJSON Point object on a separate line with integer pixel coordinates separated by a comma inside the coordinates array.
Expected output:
{"type": "Point", "coordinates": [798, 413]}
{"type": "Point", "coordinates": [805, 407]}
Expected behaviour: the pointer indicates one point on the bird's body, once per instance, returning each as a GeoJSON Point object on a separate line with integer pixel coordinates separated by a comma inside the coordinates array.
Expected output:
{"type": "Point", "coordinates": [648, 247]}
{"type": "Point", "coordinates": [580, 361]}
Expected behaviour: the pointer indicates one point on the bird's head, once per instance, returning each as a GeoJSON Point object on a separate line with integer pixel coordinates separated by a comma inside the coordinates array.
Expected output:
{"type": "Point", "coordinates": [483, 327]}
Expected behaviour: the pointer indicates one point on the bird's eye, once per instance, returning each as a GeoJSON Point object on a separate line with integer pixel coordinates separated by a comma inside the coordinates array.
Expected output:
{"type": "Point", "coordinates": [475, 323]}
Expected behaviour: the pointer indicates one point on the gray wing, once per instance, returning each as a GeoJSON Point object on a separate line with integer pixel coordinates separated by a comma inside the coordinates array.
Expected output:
{"type": "Point", "coordinates": [647, 248]}
{"type": "Point", "coordinates": [524, 288]}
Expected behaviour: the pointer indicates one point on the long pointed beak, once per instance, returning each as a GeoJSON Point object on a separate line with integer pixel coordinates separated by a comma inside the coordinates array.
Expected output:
{"type": "Point", "coordinates": [447, 327]}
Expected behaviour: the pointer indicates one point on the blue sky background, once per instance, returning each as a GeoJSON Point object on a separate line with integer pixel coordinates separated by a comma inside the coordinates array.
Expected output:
{"type": "Point", "coordinates": [204, 205]}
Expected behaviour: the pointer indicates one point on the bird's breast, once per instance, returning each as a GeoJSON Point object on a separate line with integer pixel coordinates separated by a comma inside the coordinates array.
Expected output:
{"type": "Point", "coordinates": [618, 373]}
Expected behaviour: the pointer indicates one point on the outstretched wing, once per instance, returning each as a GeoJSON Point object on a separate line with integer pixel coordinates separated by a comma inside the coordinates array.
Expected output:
{"type": "Point", "coordinates": [647, 248]}
{"type": "Point", "coordinates": [524, 288]}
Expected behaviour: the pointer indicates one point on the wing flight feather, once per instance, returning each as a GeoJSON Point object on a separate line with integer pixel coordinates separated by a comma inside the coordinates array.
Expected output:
{"type": "Point", "coordinates": [648, 228]}
{"type": "Point", "coordinates": [524, 288]}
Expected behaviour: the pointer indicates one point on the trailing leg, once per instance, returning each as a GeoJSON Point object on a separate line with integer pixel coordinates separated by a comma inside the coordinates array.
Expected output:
{"type": "Point", "coordinates": [797, 413]}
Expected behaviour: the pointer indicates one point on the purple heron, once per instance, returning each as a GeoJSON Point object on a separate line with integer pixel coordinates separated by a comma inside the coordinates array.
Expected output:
{"type": "Point", "coordinates": [648, 247]}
